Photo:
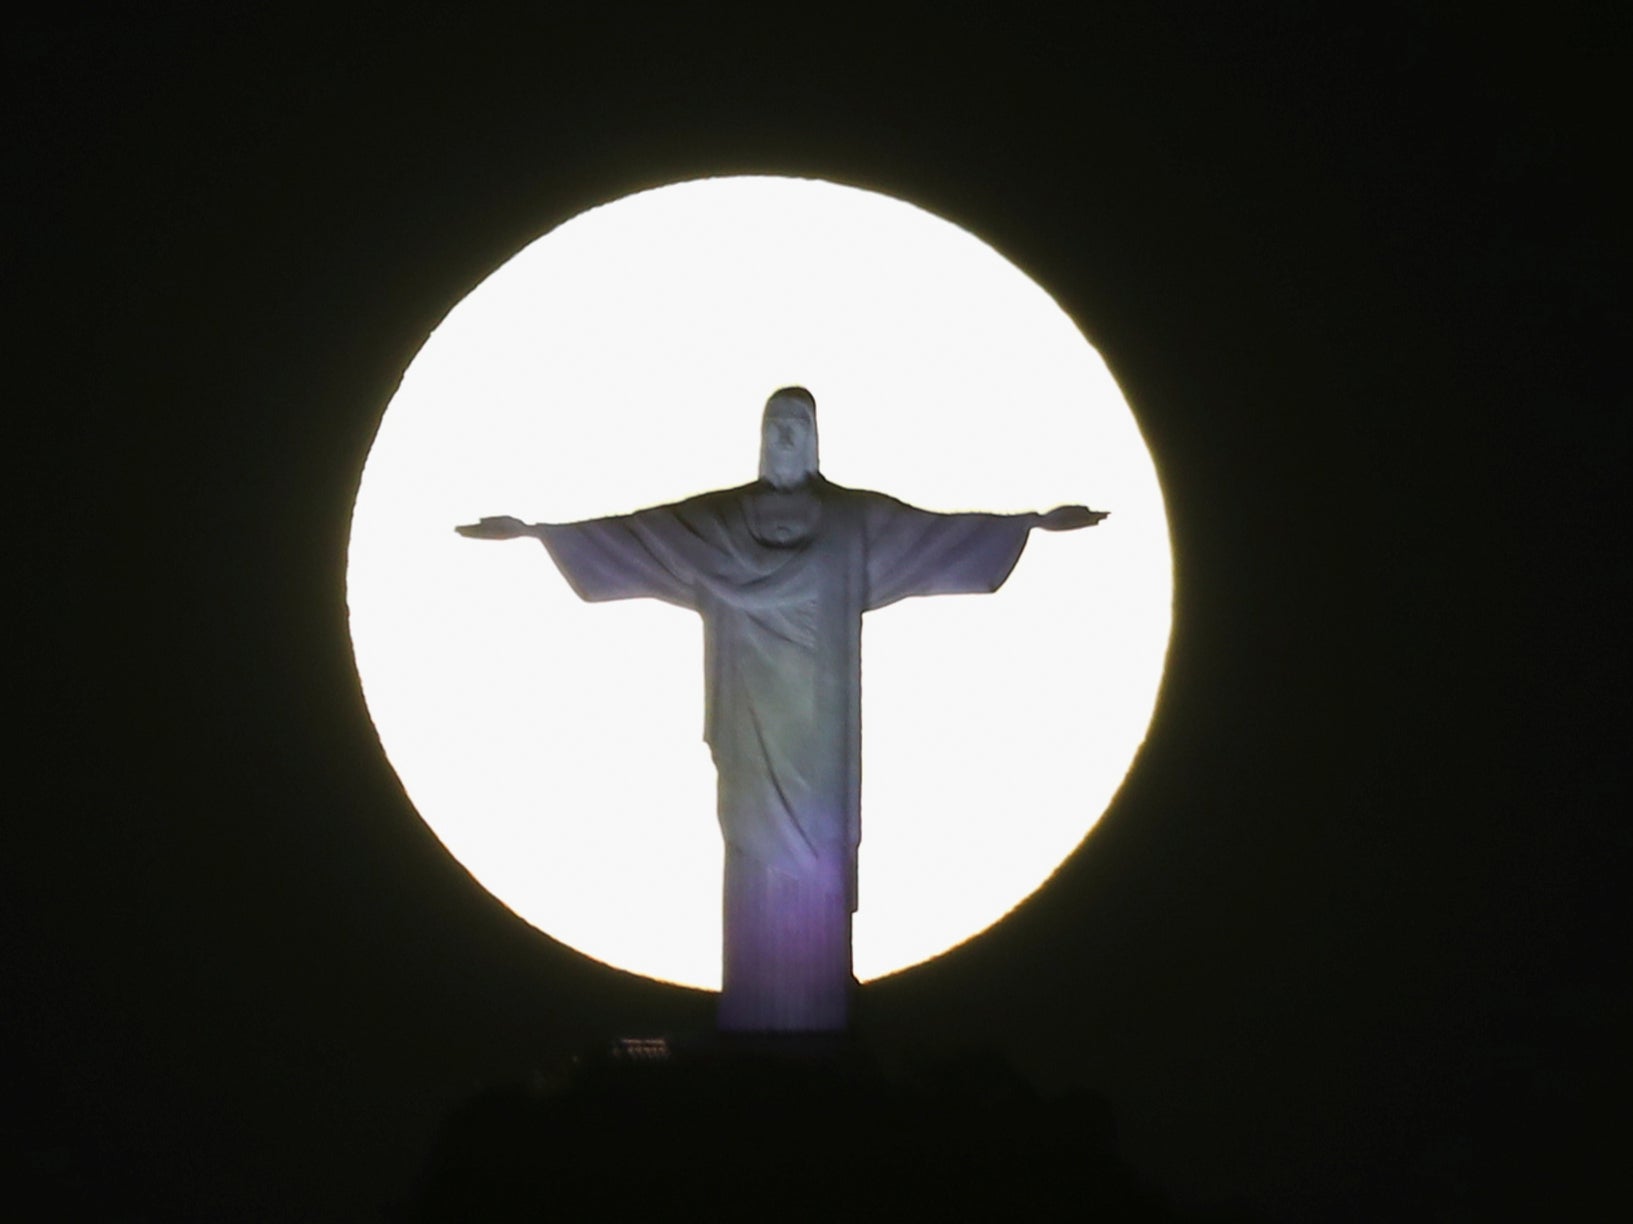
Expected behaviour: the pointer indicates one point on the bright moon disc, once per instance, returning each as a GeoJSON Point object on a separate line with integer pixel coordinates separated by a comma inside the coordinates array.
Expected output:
{"type": "Point", "coordinates": [622, 361]}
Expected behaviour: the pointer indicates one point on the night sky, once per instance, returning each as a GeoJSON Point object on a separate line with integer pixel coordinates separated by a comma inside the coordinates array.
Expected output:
{"type": "Point", "coordinates": [1350, 945]}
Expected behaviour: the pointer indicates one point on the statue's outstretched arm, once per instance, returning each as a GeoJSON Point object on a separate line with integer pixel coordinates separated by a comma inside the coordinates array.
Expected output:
{"type": "Point", "coordinates": [622, 556]}
{"type": "Point", "coordinates": [1062, 518]}
{"type": "Point", "coordinates": [499, 527]}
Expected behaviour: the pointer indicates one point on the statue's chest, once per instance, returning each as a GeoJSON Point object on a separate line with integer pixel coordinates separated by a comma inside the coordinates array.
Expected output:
{"type": "Point", "coordinates": [783, 519]}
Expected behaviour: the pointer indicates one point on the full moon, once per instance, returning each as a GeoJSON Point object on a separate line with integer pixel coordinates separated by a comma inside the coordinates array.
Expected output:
{"type": "Point", "coordinates": [622, 361]}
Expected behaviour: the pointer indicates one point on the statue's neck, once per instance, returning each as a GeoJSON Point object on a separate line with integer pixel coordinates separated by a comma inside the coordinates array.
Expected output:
{"type": "Point", "coordinates": [789, 484]}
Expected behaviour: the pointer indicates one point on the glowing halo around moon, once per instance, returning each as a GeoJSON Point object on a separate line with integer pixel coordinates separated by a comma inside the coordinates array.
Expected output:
{"type": "Point", "coordinates": [621, 361]}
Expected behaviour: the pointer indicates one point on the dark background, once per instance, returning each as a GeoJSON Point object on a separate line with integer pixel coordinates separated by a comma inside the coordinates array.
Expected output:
{"type": "Point", "coordinates": [1351, 943]}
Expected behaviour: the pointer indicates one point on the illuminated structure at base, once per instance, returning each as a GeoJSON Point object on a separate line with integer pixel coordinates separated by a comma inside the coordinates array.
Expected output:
{"type": "Point", "coordinates": [781, 572]}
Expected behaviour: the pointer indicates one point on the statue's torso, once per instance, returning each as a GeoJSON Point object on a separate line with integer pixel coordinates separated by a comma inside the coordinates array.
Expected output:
{"type": "Point", "coordinates": [783, 518]}
{"type": "Point", "coordinates": [782, 634]}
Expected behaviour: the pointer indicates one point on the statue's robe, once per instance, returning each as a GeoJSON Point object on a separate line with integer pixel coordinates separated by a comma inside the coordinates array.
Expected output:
{"type": "Point", "coordinates": [781, 583]}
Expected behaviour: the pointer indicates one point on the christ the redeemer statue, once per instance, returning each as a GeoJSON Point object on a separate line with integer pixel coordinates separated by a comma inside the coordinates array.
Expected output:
{"type": "Point", "coordinates": [781, 572]}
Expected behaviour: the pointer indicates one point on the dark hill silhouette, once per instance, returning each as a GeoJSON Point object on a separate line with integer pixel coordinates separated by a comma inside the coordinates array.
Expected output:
{"type": "Point", "coordinates": [733, 1131]}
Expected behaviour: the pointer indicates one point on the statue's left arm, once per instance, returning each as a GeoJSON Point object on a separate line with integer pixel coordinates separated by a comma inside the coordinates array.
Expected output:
{"type": "Point", "coordinates": [921, 552]}
{"type": "Point", "coordinates": [1069, 518]}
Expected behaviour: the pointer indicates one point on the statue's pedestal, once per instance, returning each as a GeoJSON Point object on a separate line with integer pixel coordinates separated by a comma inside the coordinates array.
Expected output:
{"type": "Point", "coordinates": [786, 947]}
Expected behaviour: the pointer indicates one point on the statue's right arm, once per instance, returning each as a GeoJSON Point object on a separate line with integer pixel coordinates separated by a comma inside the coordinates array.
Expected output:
{"type": "Point", "coordinates": [651, 554]}
{"type": "Point", "coordinates": [499, 527]}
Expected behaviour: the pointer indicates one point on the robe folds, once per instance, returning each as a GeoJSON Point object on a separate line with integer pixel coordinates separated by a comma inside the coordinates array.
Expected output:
{"type": "Point", "coordinates": [781, 583]}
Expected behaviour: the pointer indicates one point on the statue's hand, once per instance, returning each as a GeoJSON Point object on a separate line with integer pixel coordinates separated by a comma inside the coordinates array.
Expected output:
{"type": "Point", "coordinates": [1070, 518]}
{"type": "Point", "coordinates": [499, 527]}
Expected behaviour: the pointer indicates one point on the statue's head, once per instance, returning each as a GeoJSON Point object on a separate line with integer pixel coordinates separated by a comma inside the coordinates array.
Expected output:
{"type": "Point", "coordinates": [788, 438]}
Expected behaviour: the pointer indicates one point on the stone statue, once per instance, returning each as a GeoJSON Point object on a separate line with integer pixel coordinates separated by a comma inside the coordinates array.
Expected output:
{"type": "Point", "coordinates": [781, 572]}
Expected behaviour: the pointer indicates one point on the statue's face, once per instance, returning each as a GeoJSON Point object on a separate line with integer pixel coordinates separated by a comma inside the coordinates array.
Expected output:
{"type": "Point", "coordinates": [788, 450]}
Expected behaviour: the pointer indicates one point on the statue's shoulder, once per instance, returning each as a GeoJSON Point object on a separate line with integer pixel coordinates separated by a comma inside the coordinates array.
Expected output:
{"type": "Point", "coordinates": [862, 502]}
{"type": "Point", "coordinates": [728, 499]}
{"type": "Point", "coordinates": [844, 493]}
{"type": "Point", "coordinates": [713, 502]}
{"type": "Point", "coordinates": [705, 514]}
